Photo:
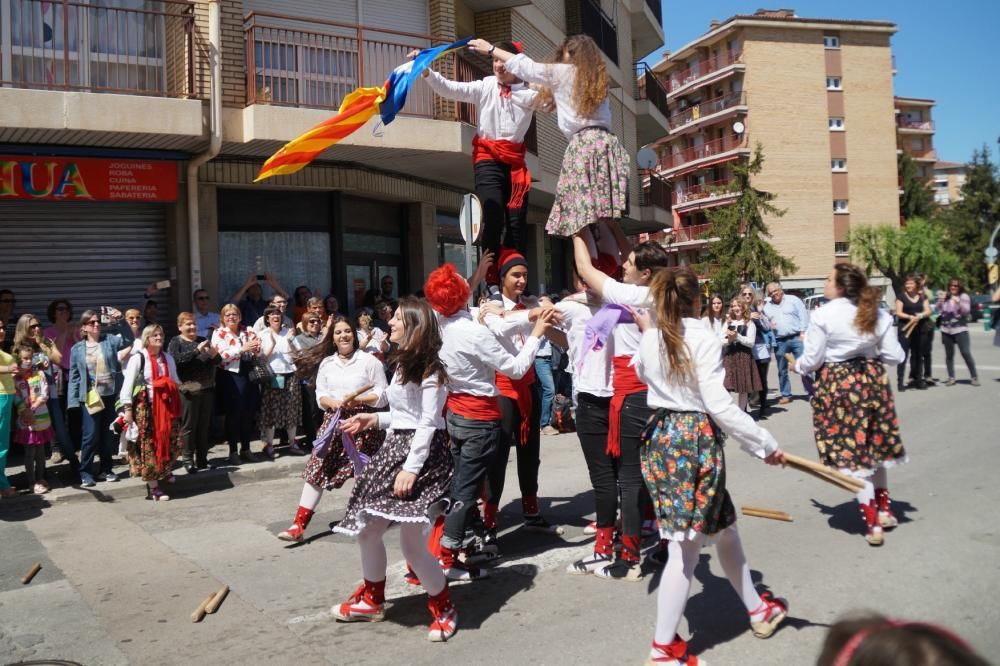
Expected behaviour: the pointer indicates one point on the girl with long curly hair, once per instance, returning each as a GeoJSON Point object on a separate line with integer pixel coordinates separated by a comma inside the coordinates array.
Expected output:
{"type": "Point", "coordinates": [593, 183]}
{"type": "Point", "coordinates": [408, 478]}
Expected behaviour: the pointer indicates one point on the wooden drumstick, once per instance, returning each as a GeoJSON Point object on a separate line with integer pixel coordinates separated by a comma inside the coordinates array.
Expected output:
{"type": "Point", "coordinates": [216, 601]}
{"type": "Point", "coordinates": [843, 480]}
{"type": "Point", "coordinates": [361, 391]}
{"type": "Point", "coordinates": [765, 513]}
{"type": "Point", "coordinates": [31, 573]}
{"type": "Point", "coordinates": [199, 612]}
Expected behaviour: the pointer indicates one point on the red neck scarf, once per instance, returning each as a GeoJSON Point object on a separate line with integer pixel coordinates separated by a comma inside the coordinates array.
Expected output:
{"type": "Point", "coordinates": [510, 153]}
{"type": "Point", "coordinates": [166, 406]}
{"type": "Point", "coordinates": [504, 90]}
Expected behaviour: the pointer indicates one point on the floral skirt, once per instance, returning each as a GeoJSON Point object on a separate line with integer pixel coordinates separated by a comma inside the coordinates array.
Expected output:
{"type": "Point", "coordinates": [741, 372]}
{"type": "Point", "coordinates": [141, 453]}
{"type": "Point", "coordinates": [593, 183]}
{"type": "Point", "coordinates": [684, 467]}
{"type": "Point", "coordinates": [854, 417]}
{"type": "Point", "coordinates": [372, 494]}
{"type": "Point", "coordinates": [335, 468]}
{"type": "Point", "coordinates": [281, 408]}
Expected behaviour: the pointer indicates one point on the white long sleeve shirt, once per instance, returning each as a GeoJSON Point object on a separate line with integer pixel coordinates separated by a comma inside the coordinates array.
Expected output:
{"type": "Point", "coordinates": [418, 407]}
{"type": "Point", "coordinates": [597, 373]}
{"type": "Point", "coordinates": [705, 392]}
{"type": "Point", "coordinates": [166, 365]}
{"type": "Point", "coordinates": [832, 337]}
{"type": "Point", "coordinates": [506, 118]}
{"type": "Point", "coordinates": [560, 78]}
{"type": "Point", "coordinates": [473, 355]}
{"type": "Point", "coordinates": [337, 378]}
{"type": "Point", "coordinates": [280, 348]}
{"type": "Point", "coordinates": [626, 336]}
{"type": "Point", "coordinates": [511, 331]}
{"type": "Point", "coordinates": [745, 340]}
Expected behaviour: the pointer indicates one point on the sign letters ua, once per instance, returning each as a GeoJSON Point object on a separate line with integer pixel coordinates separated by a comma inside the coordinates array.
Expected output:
{"type": "Point", "coordinates": [86, 179]}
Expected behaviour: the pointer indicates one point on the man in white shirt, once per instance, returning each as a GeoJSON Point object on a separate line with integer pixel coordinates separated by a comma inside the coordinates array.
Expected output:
{"type": "Point", "coordinates": [204, 318]}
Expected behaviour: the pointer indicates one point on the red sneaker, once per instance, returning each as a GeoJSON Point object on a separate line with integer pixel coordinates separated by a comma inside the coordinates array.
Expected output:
{"type": "Point", "coordinates": [367, 604]}
{"type": "Point", "coordinates": [445, 622]}
{"type": "Point", "coordinates": [299, 525]}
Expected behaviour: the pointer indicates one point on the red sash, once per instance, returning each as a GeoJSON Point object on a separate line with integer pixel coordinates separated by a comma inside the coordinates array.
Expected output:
{"type": "Point", "coordinates": [475, 407]}
{"type": "Point", "coordinates": [519, 390]}
{"type": "Point", "coordinates": [166, 407]}
{"type": "Point", "coordinates": [625, 383]}
{"type": "Point", "coordinates": [511, 154]}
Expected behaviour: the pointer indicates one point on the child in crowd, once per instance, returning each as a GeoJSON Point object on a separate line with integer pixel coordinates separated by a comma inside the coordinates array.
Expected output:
{"type": "Point", "coordinates": [34, 427]}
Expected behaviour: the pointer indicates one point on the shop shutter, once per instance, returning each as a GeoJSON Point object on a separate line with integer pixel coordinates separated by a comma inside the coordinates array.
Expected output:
{"type": "Point", "coordinates": [90, 253]}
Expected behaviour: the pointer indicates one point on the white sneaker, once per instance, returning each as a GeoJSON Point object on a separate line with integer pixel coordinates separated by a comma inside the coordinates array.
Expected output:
{"type": "Point", "coordinates": [589, 564]}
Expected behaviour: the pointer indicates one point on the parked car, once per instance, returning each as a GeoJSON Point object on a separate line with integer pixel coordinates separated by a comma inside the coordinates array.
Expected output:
{"type": "Point", "coordinates": [814, 301]}
{"type": "Point", "coordinates": [981, 306]}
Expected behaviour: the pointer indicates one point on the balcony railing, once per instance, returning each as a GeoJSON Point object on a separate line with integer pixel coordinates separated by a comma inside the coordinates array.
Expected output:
{"type": "Point", "coordinates": [132, 47]}
{"type": "Point", "coordinates": [649, 87]}
{"type": "Point", "coordinates": [707, 108]}
{"type": "Point", "coordinates": [902, 123]}
{"type": "Point", "coordinates": [655, 192]}
{"type": "Point", "coordinates": [707, 190]}
{"type": "Point", "coordinates": [693, 233]}
{"type": "Point", "coordinates": [922, 154]}
{"type": "Point", "coordinates": [703, 68]}
{"type": "Point", "coordinates": [708, 149]}
{"type": "Point", "coordinates": [599, 26]}
{"type": "Point", "coordinates": [654, 6]}
{"type": "Point", "coordinates": [318, 64]}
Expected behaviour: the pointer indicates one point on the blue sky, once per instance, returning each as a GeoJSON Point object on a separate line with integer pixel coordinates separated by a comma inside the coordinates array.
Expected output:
{"type": "Point", "coordinates": [946, 51]}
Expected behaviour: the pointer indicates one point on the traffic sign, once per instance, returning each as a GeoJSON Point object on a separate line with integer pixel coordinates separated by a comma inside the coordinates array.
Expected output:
{"type": "Point", "coordinates": [994, 276]}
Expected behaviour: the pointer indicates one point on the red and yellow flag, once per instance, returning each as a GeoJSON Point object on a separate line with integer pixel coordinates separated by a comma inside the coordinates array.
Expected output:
{"type": "Point", "coordinates": [354, 112]}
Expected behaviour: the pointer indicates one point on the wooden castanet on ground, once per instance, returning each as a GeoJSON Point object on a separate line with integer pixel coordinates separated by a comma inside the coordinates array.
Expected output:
{"type": "Point", "coordinates": [31, 573]}
{"type": "Point", "coordinates": [758, 512]}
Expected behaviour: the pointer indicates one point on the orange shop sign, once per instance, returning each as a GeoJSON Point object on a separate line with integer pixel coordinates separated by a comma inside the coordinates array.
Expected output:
{"type": "Point", "coordinates": [86, 179]}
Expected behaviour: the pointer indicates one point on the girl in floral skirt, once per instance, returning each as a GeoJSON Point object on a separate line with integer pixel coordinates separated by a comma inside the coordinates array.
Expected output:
{"type": "Point", "coordinates": [683, 462]}
{"type": "Point", "coordinates": [408, 478]}
{"type": "Point", "coordinates": [847, 343]}
{"type": "Point", "coordinates": [593, 184]}
{"type": "Point", "coordinates": [34, 427]}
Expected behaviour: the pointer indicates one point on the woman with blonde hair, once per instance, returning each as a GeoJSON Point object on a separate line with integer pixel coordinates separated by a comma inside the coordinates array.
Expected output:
{"type": "Point", "coordinates": [683, 462]}
{"type": "Point", "coordinates": [738, 336]}
{"type": "Point", "coordinates": [238, 395]}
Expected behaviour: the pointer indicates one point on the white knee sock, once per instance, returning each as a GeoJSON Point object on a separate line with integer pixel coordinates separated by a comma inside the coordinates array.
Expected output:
{"type": "Point", "coordinates": [675, 585]}
{"type": "Point", "coordinates": [413, 542]}
{"type": "Point", "coordinates": [267, 434]}
{"type": "Point", "coordinates": [291, 434]}
{"type": "Point", "coordinates": [373, 558]}
{"type": "Point", "coordinates": [880, 479]}
{"type": "Point", "coordinates": [867, 494]}
{"type": "Point", "coordinates": [310, 496]}
{"type": "Point", "coordinates": [743, 398]}
{"type": "Point", "coordinates": [729, 548]}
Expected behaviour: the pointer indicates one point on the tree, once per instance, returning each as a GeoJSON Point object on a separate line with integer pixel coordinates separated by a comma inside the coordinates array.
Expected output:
{"type": "Point", "coordinates": [968, 223]}
{"type": "Point", "coordinates": [897, 251]}
{"type": "Point", "coordinates": [917, 199]}
{"type": "Point", "coordinates": [742, 251]}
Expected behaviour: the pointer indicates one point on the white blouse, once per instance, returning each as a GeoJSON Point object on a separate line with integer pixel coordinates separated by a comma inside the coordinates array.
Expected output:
{"type": "Point", "coordinates": [560, 78]}
{"type": "Point", "coordinates": [418, 407]}
{"type": "Point", "coordinates": [337, 378]}
{"type": "Point", "coordinates": [705, 392]}
{"type": "Point", "coordinates": [597, 373]}
{"type": "Point", "coordinates": [626, 336]}
{"type": "Point", "coordinates": [373, 342]}
{"type": "Point", "coordinates": [281, 348]}
{"type": "Point", "coordinates": [473, 355]}
{"type": "Point", "coordinates": [832, 337]}
{"type": "Point", "coordinates": [166, 365]}
{"type": "Point", "coordinates": [506, 118]}
{"type": "Point", "coordinates": [745, 340]}
{"type": "Point", "coordinates": [230, 346]}
{"type": "Point", "coordinates": [511, 331]}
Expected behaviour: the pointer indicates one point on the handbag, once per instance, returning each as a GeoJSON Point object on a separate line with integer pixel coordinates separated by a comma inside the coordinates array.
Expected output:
{"type": "Point", "coordinates": [94, 403]}
{"type": "Point", "coordinates": [260, 371]}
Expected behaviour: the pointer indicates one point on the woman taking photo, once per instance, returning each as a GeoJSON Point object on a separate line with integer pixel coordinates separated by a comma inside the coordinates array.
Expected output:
{"type": "Point", "coordinates": [854, 415]}
{"type": "Point", "coordinates": [95, 378]}
{"type": "Point", "coordinates": [281, 402]}
{"type": "Point", "coordinates": [64, 334]}
{"type": "Point", "coordinates": [408, 478]}
{"type": "Point", "coordinates": [237, 393]}
{"type": "Point", "coordinates": [150, 398]}
{"type": "Point", "coordinates": [953, 317]}
{"type": "Point", "coordinates": [738, 338]}
{"type": "Point", "coordinates": [761, 345]}
{"type": "Point", "coordinates": [196, 360]}
{"type": "Point", "coordinates": [911, 306]}
{"type": "Point", "coordinates": [343, 371]}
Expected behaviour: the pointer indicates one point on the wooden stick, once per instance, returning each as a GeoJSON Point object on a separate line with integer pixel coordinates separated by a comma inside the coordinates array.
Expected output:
{"type": "Point", "coordinates": [361, 391]}
{"type": "Point", "coordinates": [31, 573]}
{"type": "Point", "coordinates": [849, 482]}
{"type": "Point", "coordinates": [199, 612]}
{"type": "Point", "coordinates": [765, 513]}
{"type": "Point", "coordinates": [216, 601]}
{"type": "Point", "coordinates": [910, 326]}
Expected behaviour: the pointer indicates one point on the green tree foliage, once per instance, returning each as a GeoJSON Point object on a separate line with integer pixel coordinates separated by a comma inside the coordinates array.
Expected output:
{"type": "Point", "coordinates": [742, 252]}
{"type": "Point", "coordinates": [897, 251]}
{"type": "Point", "coordinates": [967, 224]}
{"type": "Point", "coordinates": [917, 199]}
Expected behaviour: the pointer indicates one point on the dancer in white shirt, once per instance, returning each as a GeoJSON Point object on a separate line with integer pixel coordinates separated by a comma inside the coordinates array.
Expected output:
{"type": "Point", "coordinates": [683, 461]}
{"type": "Point", "coordinates": [407, 480]}
{"type": "Point", "coordinates": [848, 343]}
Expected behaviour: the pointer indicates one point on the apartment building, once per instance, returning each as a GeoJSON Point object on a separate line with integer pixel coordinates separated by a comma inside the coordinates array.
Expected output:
{"type": "Point", "coordinates": [949, 178]}
{"type": "Point", "coordinates": [816, 94]}
{"type": "Point", "coordinates": [119, 165]}
{"type": "Point", "coordinates": [915, 134]}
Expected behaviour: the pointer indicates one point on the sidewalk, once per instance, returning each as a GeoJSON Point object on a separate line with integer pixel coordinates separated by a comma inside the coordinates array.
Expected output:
{"type": "Point", "coordinates": [220, 474]}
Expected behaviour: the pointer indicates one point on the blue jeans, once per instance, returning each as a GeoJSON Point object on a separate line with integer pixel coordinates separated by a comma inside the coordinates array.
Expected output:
{"type": "Point", "coordinates": [793, 345]}
{"type": "Point", "coordinates": [543, 371]}
{"type": "Point", "coordinates": [97, 436]}
{"type": "Point", "coordinates": [63, 442]}
{"type": "Point", "coordinates": [6, 418]}
{"type": "Point", "coordinates": [473, 447]}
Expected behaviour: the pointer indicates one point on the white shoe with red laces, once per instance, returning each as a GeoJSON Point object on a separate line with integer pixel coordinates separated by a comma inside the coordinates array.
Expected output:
{"type": "Point", "coordinates": [674, 653]}
{"type": "Point", "coordinates": [362, 606]}
{"type": "Point", "coordinates": [766, 618]}
{"type": "Point", "coordinates": [445, 622]}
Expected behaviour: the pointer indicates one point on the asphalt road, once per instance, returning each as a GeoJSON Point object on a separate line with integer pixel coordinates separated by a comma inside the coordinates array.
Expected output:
{"type": "Point", "coordinates": [121, 576]}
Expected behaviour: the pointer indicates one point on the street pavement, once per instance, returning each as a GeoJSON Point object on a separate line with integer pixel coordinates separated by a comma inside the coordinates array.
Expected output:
{"type": "Point", "coordinates": [120, 576]}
